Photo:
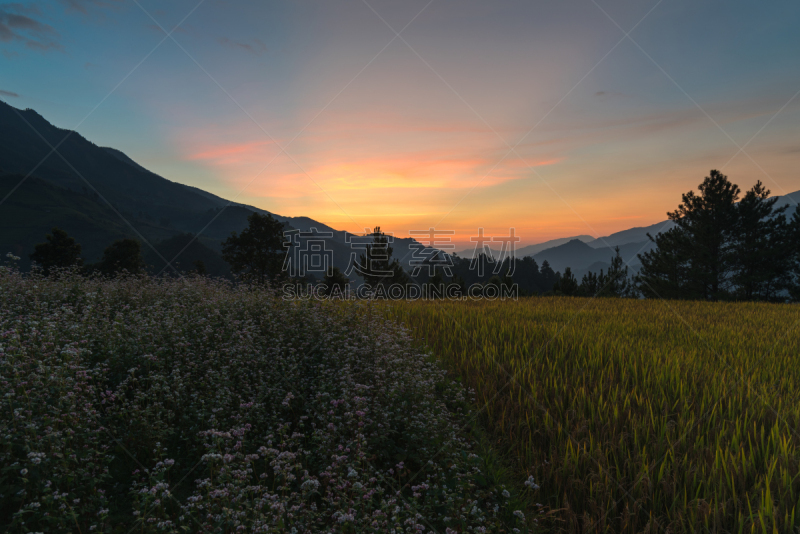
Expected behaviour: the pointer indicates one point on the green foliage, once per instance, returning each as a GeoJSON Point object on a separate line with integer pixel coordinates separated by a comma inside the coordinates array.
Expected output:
{"type": "Point", "coordinates": [60, 251]}
{"type": "Point", "coordinates": [257, 253]}
{"type": "Point", "coordinates": [457, 280]}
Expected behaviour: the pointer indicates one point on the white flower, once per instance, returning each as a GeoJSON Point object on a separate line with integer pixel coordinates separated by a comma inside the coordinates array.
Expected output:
{"type": "Point", "coordinates": [310, 485]}
{"type": "Point", "coordinates": [531, 484]}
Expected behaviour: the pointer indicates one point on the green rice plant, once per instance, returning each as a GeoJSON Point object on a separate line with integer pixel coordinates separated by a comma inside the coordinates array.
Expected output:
{"type": "Point", "coordinates": [634, 416]}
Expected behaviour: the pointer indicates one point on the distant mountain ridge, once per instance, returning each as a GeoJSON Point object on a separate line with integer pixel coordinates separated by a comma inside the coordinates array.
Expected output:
{"type": "Point", "coordinates": [582, 257]}
{"type": "Point", "coordinates": [631, 235]}
{"type": "Point", "coordinates": [529, 250]}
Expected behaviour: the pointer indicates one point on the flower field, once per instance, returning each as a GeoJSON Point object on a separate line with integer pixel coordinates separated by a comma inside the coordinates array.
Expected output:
{"type": "Point", "coordinates": [143, 405]}
{"type": "Point", "coordinates": [635, 416]}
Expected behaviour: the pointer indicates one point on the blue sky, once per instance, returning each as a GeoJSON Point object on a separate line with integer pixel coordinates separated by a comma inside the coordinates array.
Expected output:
{"type": "Point", "coordinates": [312, 108]}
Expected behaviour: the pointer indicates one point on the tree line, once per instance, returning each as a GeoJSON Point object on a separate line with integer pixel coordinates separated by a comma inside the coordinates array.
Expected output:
{"type": "Point", "coordinates": [723, 246]}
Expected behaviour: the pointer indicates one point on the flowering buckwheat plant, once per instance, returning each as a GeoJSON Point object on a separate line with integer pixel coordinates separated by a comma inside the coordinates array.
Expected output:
{"type": "Point", "coordinates": [162, 405]}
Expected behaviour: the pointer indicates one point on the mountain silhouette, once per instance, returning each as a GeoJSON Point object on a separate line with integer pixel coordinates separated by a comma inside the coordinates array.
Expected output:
{"type": "Point", "coordinates": [582, 257]}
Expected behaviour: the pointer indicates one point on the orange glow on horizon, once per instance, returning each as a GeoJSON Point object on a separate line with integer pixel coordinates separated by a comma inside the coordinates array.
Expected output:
{"type": "Point", "coordinates": [371, 167]}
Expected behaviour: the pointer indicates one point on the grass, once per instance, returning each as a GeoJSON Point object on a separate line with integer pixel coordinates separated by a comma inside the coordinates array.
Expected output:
{"type": "Point", "coordinates": [635, 416]}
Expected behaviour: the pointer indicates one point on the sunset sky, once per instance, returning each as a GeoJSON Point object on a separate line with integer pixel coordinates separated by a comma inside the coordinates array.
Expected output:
{"type": "Point", "coordinates": [542, 116]}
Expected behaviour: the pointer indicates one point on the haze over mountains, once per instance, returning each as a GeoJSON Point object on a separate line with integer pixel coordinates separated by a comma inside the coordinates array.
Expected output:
{"type": "Point", "coordinates": [99, 194]}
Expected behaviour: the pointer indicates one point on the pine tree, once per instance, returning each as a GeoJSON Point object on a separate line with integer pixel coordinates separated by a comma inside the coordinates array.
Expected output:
{"type": "Point", "coordinates": [722, 248]}
{"type": "Point", "coordinates": [566, 284]}
{"type": "Point", "coordinates": [665, 269]}
{"type": "Point", "coordinates": [589, 284]}
{"type": "Point", "coordinates": [709, 219]}
{"type": "Point", "coordinates": [548, 277]}
{"type": "Point", "coordinates": [761, 246]}
{"type": "Point", "coordinates": [793, 235]}
{"type": "Point", "coordinates": [616, 282]}
{"type": "Point", "coordinates": [696, 258]}
{"type": "Point", "coordinates": [377, 266]}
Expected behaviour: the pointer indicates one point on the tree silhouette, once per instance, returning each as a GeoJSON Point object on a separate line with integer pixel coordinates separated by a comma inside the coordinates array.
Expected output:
{"type": "Point", "coordinates": [335, 282]}
{"type": "Point", "coordinates": [257, 253]}
{"type": "Point", "coordinates": [548, 277]}
{"type": "Point", "coordinates": [793, 233]}
{"type": "Point", "coordinates": [721, 248]}
{"type": "Point", "coordinates": [590, 284]}
{"type": "Point", "coordinates": [762, 246]}
{"type": "Point", "coordinates": [122, 255]}
{"type": "Point", "coordinates": [59, 251]}
{"type": "Point", "coordinates": [567, 284]}
{"type": "Point", "coordinates": [435, 288]}
{"type": "Point", "coordinates": [377, 266]}
{"type": "Point", "coordinates": [616, 282]}
{"type": "Point", "coordinates": [200, 267]}
{"type": "Point", "coordinates": [709, 219]}
{"type": "Point", "coordinates": [665, 269]}
{"type": "Point", "coordinates": [457, 280]}
{"type": "Point", "coordinates": [695, 259]}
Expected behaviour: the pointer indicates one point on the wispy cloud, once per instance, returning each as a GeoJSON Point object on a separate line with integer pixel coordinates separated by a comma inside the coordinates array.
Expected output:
{"type": "Point", "coordinates": [254, 46]}
{"type": "Point", "coordinates": [25, 9]}
{"type": "Point", "coordinates": [8, 93]}
{"type": "Point", "coordinates": [160, 29]}
{"type": "Point", "coordinates": [83, 6]}
{"type": "Point", "coordinates": [609, 93]}
{"type": "Point", "coordinates": [17, 25]}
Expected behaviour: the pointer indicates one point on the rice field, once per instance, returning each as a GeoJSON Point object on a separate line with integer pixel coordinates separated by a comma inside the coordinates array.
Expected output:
{"type": "Point", "coordinates": [634, 416]}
